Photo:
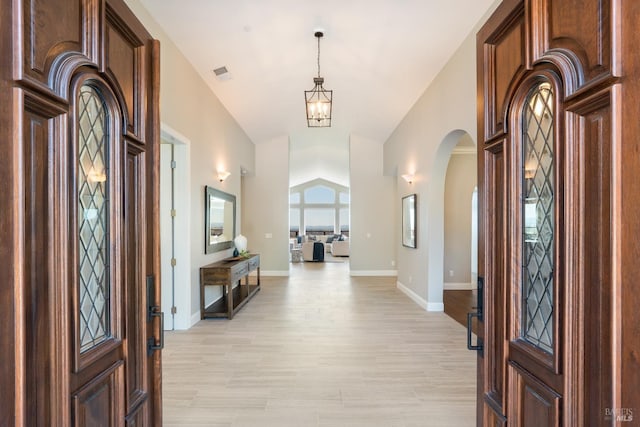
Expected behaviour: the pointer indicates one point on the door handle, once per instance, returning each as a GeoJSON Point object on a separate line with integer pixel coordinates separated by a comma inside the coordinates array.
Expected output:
{"type": "Point", "coordinates": [154, 311]}
{"type": "Point", "coordinates": [478, 315]}
{"type": "Point", "coordinates": [152, 345]}
{"type": "Point", "coordinates": [478, 345]}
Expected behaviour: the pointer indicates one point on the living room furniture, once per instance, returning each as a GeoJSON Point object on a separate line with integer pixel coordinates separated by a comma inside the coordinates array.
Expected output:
{"type": "Point", "coordinates": [227, 273]}
{"type": "Point", "coordinates": [296, 255]}
{"type": "Point", "coordinates": [340, 248]}
{"type": "Point", "coordinates": [313, 251]}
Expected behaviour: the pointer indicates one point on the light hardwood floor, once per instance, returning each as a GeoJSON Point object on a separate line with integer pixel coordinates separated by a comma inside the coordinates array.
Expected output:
{"type": "Point", "coordinates": [321, 348]}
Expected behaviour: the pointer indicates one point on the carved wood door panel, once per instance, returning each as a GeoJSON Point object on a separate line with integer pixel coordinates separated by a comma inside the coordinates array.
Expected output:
{"type": "Point", "coordinates": [548, 127]}
{"type": "Point", "coordinates": [83, 89]}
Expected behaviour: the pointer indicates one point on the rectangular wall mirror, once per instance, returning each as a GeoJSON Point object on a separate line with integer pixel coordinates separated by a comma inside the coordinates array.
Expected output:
{"type": "Point", "coordinates": [409, 221]}
{"type": "Point", "coordinates": [219, 220]}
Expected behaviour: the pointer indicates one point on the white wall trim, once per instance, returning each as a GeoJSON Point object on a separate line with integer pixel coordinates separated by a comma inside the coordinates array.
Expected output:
{"type": "Point", "coordinates": [465, 150]}
{"type": "Point", "coordinates": [459, 286]}
{"type": "Point", "coordinates": [195, 318]}
{"type": "Point", "coordinates": [428, 306]}
{"type": "Point", "coordinates": [415, 297]}
{"type": "Point", "coordinates": [172, 135]}
{"type": "Point", "coordinates": [435, 306]}
{"type": "Point", "coordinates": [373, 273]}
{"type": "Point", "coordinates": [274, 273]}
{"type": "Point", "coordinates": [184, 293]}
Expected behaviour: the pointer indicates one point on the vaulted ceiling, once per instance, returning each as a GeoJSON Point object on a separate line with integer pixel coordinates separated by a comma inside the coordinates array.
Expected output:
{"type": "Point", "coordinates": [378, 56]}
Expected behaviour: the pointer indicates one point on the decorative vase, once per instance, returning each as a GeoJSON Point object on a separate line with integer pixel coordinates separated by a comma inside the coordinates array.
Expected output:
{"type": "Point", "coordinates": [241, 243]}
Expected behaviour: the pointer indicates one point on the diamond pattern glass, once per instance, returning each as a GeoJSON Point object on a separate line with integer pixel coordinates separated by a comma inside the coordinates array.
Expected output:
{"type": "Point", "coordinates": [93, 207]}
{"type": "Point", "coordinates": [538, 223]}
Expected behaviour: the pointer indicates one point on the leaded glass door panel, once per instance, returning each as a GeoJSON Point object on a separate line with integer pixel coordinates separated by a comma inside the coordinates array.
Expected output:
{"type": "Point", "coordinates": [111, 348]}
{"type": "Point", "coordinates": [96, 308]}
{"type": "Point", "coordinates": [535, 240]}
{"type": "Point", "coordinates": [538, 225]}
{"type": "Point", "coordinates": [98, 326]}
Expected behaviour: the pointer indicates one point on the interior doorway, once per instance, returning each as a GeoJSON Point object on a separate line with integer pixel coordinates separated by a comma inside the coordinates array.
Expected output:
{"type": "Point", "coordinates": [460, 231]}
{"type": "Point", "coordinates": [175, 235]}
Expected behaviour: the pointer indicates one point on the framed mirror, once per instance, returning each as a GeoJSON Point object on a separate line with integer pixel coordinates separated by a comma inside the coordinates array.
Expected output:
{"type": "Point", "coordinates": [219, 220]}
{"type": "Point", "coordinates": [409, 221]}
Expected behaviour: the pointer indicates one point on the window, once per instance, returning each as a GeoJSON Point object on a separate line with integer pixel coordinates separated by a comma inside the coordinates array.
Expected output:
{"type": "Point", "coordinates": [294, 220]}
{"type": "Point", "coordinates": [93, 219]}
{"type": "Point", "coordinates": [319, 219]}
{"type": "Point", "coordinates": [538, 218]}
{"type": "Point", "coordinates": [318, 207]}
{"type": "Point", "coordinates": [319, 194]}
{"type": "Point", "coordinates": [344, 221]}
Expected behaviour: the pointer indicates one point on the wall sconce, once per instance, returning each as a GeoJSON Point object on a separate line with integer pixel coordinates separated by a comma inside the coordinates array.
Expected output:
{"type": "Point", "coordinates": [94, 176]}
{"type": "Point", "coordinates": [222, 175]}
{"type": "Point", "coordinates": [530, 168]}
{"type": "Point", "coordinates": [529, 173]}
{"type": "Point", "coordinates": [408, 177]}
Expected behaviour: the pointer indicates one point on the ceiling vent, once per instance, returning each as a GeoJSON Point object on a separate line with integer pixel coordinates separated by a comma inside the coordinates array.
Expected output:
{"type": "Point", "coordinates": [222, 74]}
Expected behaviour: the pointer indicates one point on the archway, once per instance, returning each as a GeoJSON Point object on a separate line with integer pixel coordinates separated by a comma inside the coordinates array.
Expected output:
{"type": "Point", "coordinates": [435, 216]}
{"type": "Point", "coordinates": [460, 183]}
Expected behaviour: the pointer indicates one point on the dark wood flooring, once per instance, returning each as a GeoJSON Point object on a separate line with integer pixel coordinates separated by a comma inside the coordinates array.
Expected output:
{"type": "Point", "coordinates": [458, 303]}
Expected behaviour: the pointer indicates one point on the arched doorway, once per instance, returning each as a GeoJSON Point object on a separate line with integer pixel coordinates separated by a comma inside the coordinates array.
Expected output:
{"type": "Point", "coordinates": [435, 215]}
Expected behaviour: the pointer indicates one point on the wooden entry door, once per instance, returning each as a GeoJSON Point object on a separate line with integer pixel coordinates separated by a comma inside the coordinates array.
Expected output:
{"type": "Point", "coordinates": [554, 78]}
{"type": "Point", "coordinates": [79, 128]}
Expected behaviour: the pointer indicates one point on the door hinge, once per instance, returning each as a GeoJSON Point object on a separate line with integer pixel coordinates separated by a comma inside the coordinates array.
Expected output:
{"type": "Point", "coordinates": [173, 262]}
{"type": "Point", "coordinates": [174, 309]}
{"type": "Point", "coordinates": [173, 164]}
{"type": "Point", "coordinates": [173, 213]}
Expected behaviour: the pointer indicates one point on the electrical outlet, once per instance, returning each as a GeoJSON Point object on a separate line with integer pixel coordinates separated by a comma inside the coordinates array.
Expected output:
{"type": "Point", "coordinates": [393, 263]}
{"type": "Point", "coordinates": [450, 273]}
{"type": "Point", "coordinates": [268, 235]}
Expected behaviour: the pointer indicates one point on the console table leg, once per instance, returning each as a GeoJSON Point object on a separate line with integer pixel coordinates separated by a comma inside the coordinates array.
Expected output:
{"type": "Point", "coordinates": [230, 300]}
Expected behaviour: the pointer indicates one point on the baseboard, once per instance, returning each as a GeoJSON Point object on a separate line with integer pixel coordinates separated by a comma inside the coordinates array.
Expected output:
{"type": "Point", "coordinates": [428, 306]}
{"type": "Point", "coordinates": [458, 286]}
{"type": "Point", "coordinates": [274, 273]}
{"type": "Point", "coordinates": [195, 318]}
{"type": "Point", "coordinates": [435, 306]}
{"type": "Point", "coordinates": [373, 273]}
{"type": "Point", "coordinates": [415, 297]}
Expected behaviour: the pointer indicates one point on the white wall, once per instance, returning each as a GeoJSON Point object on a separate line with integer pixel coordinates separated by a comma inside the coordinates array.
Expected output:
{"type": "Point", "coordinates": [461, 179]}
{"type": "Point", "coordinates": [265, 217]}
{"type": "Point", "coordinates": [188, 106]}
{"type": "Point", "coordinates": [373, 231]}
{"type": "Point", "coordinates": [421, 145]}
{"type": "Point", "coordinates": [324, 154]}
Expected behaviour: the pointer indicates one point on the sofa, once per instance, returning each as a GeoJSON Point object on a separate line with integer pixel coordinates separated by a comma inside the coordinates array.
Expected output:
{"type": "Point", "coordinates": [340, 248]}
{"type": "Point", "coordinates": [306, 245]}
{"type": "Point", "coordinates": [312, 251]}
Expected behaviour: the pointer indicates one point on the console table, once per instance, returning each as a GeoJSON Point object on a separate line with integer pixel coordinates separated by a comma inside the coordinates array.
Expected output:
{"type": "Point", "coordinates": [226, 273]}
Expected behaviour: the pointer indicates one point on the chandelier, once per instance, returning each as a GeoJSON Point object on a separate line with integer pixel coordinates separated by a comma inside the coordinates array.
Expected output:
{"type": "Point", "coordinates": [318, 100]}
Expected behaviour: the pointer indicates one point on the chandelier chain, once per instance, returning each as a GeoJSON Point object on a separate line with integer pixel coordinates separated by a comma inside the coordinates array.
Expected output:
{"type": "Point", "coordinates": [318, 56]}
